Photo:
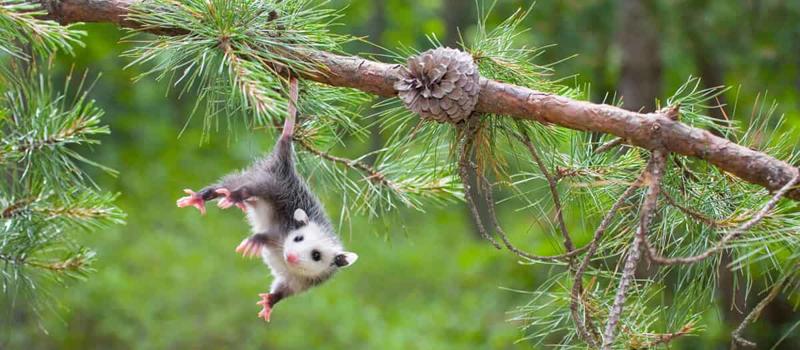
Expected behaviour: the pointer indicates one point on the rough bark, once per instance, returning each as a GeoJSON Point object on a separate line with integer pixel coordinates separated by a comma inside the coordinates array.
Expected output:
{"type": "Point", "coordinates": [650, 131]}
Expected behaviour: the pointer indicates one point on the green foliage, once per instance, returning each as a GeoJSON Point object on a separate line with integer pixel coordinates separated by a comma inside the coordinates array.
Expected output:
{"type": "Point", "coordinates": [45, 195]}
{"type": "Point", "coordinates": [230, 51]}
{"type": "Point", "coordinates": [21, 27]}
{"type": "Point", "coordinates": [700, 204]}
{"type": "Point", "coordinates": [48, 197]}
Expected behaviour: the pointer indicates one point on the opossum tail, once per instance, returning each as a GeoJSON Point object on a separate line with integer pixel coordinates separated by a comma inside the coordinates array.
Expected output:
{"type": "Point", "coordinates": [291, 119]}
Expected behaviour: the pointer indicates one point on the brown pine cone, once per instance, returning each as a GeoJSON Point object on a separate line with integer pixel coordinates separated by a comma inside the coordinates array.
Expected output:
{"type": "Point", "coordinates": [440, 84]}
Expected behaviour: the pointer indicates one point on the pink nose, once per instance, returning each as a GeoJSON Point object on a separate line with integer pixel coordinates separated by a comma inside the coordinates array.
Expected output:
{"type": "Point", "coordinates": [292, 259]}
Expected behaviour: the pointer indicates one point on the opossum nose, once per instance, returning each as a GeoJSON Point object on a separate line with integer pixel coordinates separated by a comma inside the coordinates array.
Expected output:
{"type": "Point", "coordinates": [292, 258]}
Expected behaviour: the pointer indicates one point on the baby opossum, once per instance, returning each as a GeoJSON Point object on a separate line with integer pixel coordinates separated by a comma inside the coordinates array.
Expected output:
{"type": "Point", "coordinates": [291, 231]}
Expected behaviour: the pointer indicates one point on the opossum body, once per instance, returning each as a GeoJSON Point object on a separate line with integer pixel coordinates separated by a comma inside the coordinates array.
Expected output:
{"type": "Point", "coordinates": [290, 229]}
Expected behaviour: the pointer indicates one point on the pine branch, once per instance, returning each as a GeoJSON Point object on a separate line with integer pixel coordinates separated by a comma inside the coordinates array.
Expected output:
{"type": "Point", "coordinates": [47, 196]}
{"type": "Point", "coordinates": [552, 183]}
{"type": "Point", "coordinates": [609, 145]}
{"type": "Point", "coordinates": [370, 173]}
{"type": "Point", "coordinates": [651, 131]}
{"type": "Point", "coordinates": [577, 287]}
{"type": "Point", "coordinates": [468, 132]}
{"type": "Point", "coordinates": [653, 255]}
{"type": "Point", "coordinates": [654, 173]}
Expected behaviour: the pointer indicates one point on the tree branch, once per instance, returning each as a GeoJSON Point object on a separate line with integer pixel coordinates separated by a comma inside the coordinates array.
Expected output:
{"type": "Point", "coordinates": [485, 188]}
{"type": "Point", "coordinates": [553, 184]}
{"type": "Point", "coordinates": [370, 173]}
{"type": "Point", "coordinates": [651, 131]}
{"type": "Point", "coordinates": [653, 255]}
{"type": "Point", "coordinates": [577, 286]}
{"type": "Point", "coordinates": [653, 175]}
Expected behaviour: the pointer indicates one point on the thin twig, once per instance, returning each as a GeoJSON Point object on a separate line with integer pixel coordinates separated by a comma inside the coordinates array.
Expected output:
{"type": "Point", "coordinates": [468, 131]}
{"type": "Point", "coordinates": [371, 173]}
{"type": "Point", "coordinates": [489, 197]}
{"type": "Point", "coordinates": [736, 336]}
{"type": "Point", "coordinates": [70, 264]}
{"type": "Point", "coordinates": [609, 145]}
{"type": "Point", "coordinates": [58, 266]}
{"type": "Point", "coordinates": [654, 173]}
{"type": "Point", "coordinates": [666, 338]}
{"type": "Point", "coordinates": [697, 216]}
{"type": "Point", "coordinates": [464, 165]}
{"type": "Point", "coordinates": [553, 184]}
{"type": "Point", "coordinates": [730, 236]}
{"type": "Point", "coordinates": [577, 286]}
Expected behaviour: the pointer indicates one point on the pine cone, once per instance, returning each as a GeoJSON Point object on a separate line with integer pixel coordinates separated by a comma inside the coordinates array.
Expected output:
{"type": "Point", "coordinates": [440, 84]}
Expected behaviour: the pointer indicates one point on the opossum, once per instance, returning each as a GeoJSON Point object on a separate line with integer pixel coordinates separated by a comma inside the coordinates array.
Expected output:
{"type": "Point", "coordinates": [290, 229]}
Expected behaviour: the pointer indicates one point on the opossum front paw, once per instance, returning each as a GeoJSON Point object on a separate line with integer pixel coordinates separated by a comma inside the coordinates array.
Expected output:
{"type": "Point", "coordinates": [230, 199]}
{"type": "Point", "coordinates": [250, 247]}
{"type": "Point", "coordinates": [192, 200]}
{"type": "Point", "coordinates": [267, 309]}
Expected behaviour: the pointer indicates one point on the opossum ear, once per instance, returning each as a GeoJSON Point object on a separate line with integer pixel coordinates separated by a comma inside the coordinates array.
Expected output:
{"type": "Point", "coordinates": [345, 259]}
{"type": "Point", "coordinates": [301, 216]}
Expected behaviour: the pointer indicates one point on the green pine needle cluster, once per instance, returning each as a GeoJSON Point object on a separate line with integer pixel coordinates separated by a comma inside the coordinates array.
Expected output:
{"type": "Point", "coordinates": [46, 197]}
{"type": "Point", "coordinates": [234, 55]}
{"type": "Point", "coordinates": [21, 26]}
{"type": "Point", "coordinates": [699, 205]}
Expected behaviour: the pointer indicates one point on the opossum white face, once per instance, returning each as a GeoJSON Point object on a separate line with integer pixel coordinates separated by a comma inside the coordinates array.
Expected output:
{"type": "Point", "coordinates": [310, 252]}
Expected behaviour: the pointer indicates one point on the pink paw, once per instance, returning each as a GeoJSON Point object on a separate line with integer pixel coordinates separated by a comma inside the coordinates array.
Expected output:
{"type": "Point", "coordinates": [192, 200]}
{"type": "Point", "coordinates": [227, 202]}
{"type": "Point", "coordinates": [267, 310]}
{"type": "Point", "coordinates": [249, 248]}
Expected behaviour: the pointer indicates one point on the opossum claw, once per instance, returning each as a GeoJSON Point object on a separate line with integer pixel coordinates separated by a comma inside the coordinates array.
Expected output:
{"type": "Point", "coordinates": [192, 200]}
{"type": "Point", "coordinates": [267, 310]}
{"type": "Point", "coordinates": [228, 200]}
{"type": "Point", "coordinates": [249, 248]}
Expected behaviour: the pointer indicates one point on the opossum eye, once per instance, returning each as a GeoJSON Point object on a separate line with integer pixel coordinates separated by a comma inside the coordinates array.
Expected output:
{"type": "Point", "coordinates": [298, 239]}
{"type": "Point", "coordinates": [316, 255]}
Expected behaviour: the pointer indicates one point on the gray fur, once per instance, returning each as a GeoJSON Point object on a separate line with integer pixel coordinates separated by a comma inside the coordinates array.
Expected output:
{"type": "Point", "coordinates": [301, 250]}
{"type": "Point", "coordinates": [275, 180]}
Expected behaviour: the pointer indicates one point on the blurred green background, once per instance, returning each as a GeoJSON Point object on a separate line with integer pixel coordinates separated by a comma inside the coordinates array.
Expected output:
{"type": "Point", "coordinates": [170, 278]}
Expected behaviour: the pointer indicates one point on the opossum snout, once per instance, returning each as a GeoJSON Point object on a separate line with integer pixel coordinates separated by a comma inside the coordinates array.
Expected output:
{"type": "Point", "coordinates": [292, 258]}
